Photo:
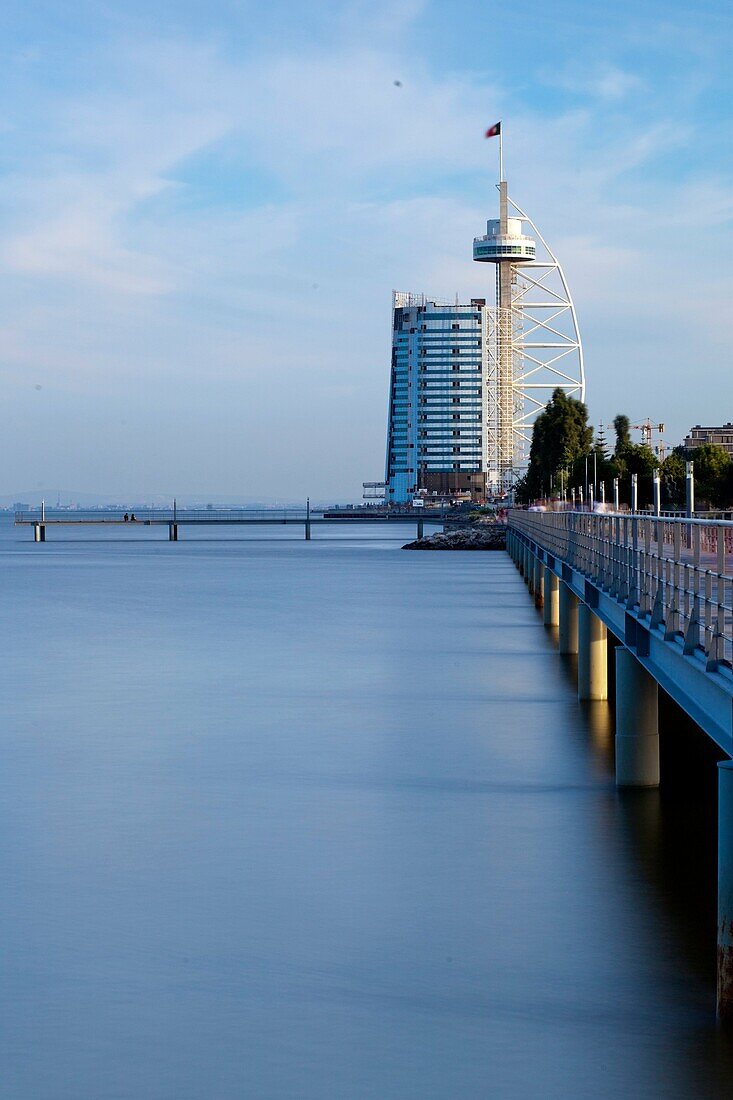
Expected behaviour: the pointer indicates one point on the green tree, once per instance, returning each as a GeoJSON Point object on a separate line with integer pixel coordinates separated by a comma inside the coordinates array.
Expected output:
{"type": "Point", "coordinates": [635, 458]}
{"type": "Point", "coordinates": [560, 434]}
{"type": "Point", "coordinates": [622, 427]}
{"type": "Point", "coordinates": [672, 472]}
{"type": "Point", "coordinates": [712, 476]}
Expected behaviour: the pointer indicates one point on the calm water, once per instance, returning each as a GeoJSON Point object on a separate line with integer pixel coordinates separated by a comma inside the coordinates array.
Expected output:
{"type": "Point", "coordinates": [325, 820]}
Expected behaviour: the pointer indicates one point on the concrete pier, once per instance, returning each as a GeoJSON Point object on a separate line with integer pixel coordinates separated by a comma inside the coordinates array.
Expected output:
{"type": "Point", "coordinates": [725, 892]}
{"type": "Point", "coordinates": [39, 532]}
{"type": "Point", "coordinates": [551, 614]}
{"type": "Point", "coordinates": [637, 723]}
{"type": "Point", "coordinates": [537, 585]}
{"type": "Point", "coordinates": [592, 642]}
{"type": "Point", "coordinates": [172, 532]}
{"type": "Point", "coordinates": [568, 620]}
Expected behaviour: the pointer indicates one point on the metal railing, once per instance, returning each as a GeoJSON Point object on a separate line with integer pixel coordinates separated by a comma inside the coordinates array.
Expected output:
{"type": "Point", "coordinates": [163, 515]}
{"type": "Point", "coordinates": [675, 573]}
{"type": "Point", "coordinates": [219, 515]}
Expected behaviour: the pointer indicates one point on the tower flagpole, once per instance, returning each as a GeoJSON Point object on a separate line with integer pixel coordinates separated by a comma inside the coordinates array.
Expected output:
{"type": "Point", "coordinates": [501, 152]}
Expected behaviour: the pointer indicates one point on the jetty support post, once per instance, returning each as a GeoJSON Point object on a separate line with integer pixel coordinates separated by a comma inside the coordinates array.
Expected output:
{"type": "Point", "coordinates": [637, 723]}
{"type": "Point", "coordinates": [551, 612]}
{"type": "Point", "coordinates": [725, 892]}
{"type": "Point", "coordinates": [39, 529]}
{"type": "Point", "coordinates": [592, 656]}
{"type": "Point", "coordinates": [308, 519]}
{"type": "Point", "coordinates": [568, 620]}
{"type": "Point", "coordinates": [538, 579]}
{"type": "Point", "coordinates": [420, 527]}
{"type": "Point", "coordinates": [172, 532]}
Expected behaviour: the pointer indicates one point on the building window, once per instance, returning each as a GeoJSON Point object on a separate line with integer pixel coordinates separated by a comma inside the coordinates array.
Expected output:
{"type": "Point", "coordinates": [456, 366]}
{"type": "Point", "coordinates": [456, 400]}
{"type": "Point", "coordinates": [456, 431]}
{"type": "Point", "coordinates": [455, 327]}
{"type": "Point", "coordinates": [456, 382]}
{"type": "Point", "coordinates": [456, 416]}
{"type": "Point", "coordinates": [455, 351]}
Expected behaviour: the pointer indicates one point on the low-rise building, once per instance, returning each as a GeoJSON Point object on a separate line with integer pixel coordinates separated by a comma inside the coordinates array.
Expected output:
{"type": "Point", "coordinates": [721, 436]}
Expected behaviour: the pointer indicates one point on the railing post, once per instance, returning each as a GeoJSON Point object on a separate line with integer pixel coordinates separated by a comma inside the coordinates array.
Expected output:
{"type": "Point", "coordinates": [616, 498]}
{"type": "Point", "coordinates": [657, 483]}
{"type": "Point", "coordinates": [689, 497]}
{"type": "Point", "coordinates": [689, 489]}
{"type": "Point", "coordinates": [308, 519]}
{"type": "Point", "coordinates": [634, 493]}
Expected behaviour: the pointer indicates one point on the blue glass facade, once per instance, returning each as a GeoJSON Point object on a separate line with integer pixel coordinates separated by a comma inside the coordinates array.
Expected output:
{"type": "Point", "coordinates": [434, 440]}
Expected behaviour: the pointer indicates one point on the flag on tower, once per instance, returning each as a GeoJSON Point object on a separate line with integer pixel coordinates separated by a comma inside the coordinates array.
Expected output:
{"type": "Point", "coordinates": [493, 131]}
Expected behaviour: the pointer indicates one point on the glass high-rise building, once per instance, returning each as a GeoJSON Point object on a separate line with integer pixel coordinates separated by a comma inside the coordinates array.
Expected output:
{"type": "Point", "coordinates": [435, 438]}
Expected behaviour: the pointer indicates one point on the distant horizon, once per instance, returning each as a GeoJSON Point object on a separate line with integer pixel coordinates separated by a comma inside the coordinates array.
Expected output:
{"type": "Point", "coordinates": [162, 500]}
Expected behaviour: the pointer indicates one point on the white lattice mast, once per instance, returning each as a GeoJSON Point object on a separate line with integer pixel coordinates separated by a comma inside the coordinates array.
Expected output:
{"type": "Point", "coordinates": [531, 344]}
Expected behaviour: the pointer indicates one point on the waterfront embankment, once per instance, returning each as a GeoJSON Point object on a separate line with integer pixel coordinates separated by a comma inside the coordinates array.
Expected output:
{"type": "Point", "coordinates": [475, 536]}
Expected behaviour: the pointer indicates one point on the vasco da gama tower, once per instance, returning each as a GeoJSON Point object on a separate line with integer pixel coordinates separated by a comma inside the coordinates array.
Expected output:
{"type": "Point", "coordinates": [468, 379]}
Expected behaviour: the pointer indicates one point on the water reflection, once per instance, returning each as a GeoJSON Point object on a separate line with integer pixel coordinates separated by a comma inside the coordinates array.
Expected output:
{"type": "Point", "coordinates": [331, 822]}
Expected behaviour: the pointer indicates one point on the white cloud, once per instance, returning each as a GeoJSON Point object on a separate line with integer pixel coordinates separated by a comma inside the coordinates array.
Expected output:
{"type": "Point", "coordinates": [281, 307]}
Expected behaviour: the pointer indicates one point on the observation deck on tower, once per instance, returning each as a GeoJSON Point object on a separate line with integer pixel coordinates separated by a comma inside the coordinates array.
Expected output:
{"type": "Point", "coordinates": [496, 246]}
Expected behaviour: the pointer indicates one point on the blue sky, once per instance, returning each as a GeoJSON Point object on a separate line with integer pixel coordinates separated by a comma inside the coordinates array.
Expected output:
{"type": "Point", "coordinates": [205, 207]}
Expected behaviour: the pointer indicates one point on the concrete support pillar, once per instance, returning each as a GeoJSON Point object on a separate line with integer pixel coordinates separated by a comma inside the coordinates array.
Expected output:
{"type": "Point", "coordinates": [637, 723]}
{"type": "Point", "coordinates": [529, 578]}
{"type": "Point", "coordinates": [538, 579]}
{"type": "Point", "coordinates": [592, 670]}
{"type": "Point", "coordinates": [172, 532]}
{"type": "Point", "coordinates": [725, 892]}
{"type": "Point", "coordinates": [39, 532]}
{"type": "Point", "coordinates": [551, 598]}
{"type": "Point", "coordinates": [568, 619]}
{"type": "Point", "coordinates": [420, 528]}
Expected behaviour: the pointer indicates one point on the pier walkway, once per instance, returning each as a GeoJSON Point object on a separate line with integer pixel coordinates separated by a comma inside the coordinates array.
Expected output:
{"type": "Point", "coordinates": [664, 589]}
{"type": "Point", "coordinates": [40, 519]}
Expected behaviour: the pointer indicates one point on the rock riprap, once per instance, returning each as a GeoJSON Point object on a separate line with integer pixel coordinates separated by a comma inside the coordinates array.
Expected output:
{"type": "Point", "coordinates": [482, 536]}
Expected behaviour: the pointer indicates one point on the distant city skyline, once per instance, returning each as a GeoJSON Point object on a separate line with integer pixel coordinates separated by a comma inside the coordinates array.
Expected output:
{"type": "Point", "coordinates": [205, 208]}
